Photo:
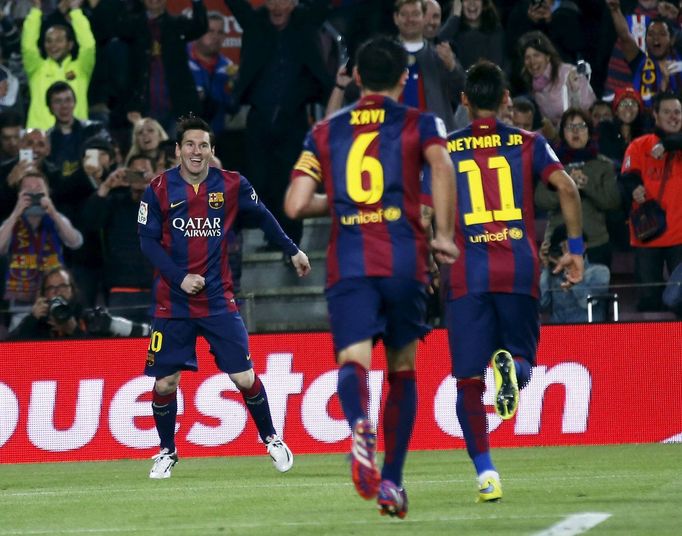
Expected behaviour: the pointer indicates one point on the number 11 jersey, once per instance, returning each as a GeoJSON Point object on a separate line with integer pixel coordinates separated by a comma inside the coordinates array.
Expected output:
{"type": "Point", "coordinates": [496, 169]}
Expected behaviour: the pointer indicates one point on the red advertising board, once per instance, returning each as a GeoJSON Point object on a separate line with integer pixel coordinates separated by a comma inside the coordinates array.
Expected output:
{"type": "Point", "coordinates": [87, 400]}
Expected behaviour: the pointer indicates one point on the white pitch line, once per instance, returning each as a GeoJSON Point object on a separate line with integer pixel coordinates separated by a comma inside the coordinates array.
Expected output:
{"type": "Point", "coordinates": [575, 524]}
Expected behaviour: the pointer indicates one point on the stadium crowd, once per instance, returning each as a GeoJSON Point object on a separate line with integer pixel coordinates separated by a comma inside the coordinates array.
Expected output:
{"type": "Point", "coordinates": [90, 91]}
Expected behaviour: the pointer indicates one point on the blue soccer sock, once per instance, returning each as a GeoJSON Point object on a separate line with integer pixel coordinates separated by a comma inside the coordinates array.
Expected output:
{"type": "Point", "coordinates": [353, 391]}
{"type": "Point", "coordinates": [165, 411]}
{"type": "Point", "coordinates": [523, 371]}
{"type": "Point", "coordinates": [256, 400]}
{"type": "Point", "coordinates": [472, 420]}
{"type": "Point", "coordinates": [399, 414]}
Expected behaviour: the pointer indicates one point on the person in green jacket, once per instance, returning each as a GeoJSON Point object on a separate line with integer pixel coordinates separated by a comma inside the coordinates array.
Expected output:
{"type": "Point", "coordinates": [59, 63]}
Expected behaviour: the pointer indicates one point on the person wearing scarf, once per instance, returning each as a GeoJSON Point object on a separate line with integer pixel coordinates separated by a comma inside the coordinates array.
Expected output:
{"type": "Point", "coordinates": [595, 178]}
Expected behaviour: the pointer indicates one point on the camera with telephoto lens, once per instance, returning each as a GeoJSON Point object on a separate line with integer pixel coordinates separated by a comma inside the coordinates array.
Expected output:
{"type": "Point", "coordinates": [97, 320]}
{"type": "Point", "coordinates": [60, 309]}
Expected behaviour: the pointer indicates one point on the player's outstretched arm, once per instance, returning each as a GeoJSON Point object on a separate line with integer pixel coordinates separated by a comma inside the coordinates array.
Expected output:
{"type": "Point", "coordinates": [301, 263]}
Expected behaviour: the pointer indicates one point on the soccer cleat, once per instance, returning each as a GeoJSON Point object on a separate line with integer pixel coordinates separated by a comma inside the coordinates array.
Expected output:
{"type": "Point", "coordinates": [282, 457]}
{"type": "Point", "coordinates": [506, 386]}
{"type": "Point", "coordinates": [489, 487]}
{"type": "Point", "coordinates": [363, 465]}
{"type": "Point", "coordinates": [163, 463]}
{"type": "Point", "coordinates": [392, 500]}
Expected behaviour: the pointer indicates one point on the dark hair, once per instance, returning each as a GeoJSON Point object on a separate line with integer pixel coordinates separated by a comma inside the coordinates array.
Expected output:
{"type": "Point", "coordinates": [575, 112]}
{"type": "Point", "coordinates": [490, 20]}
{"type": "Point", "coordinates": [141, 157]}
{"type": "Point", "coordinates": [540, 42]}
{"type": "Point", "coordinates": [485, 85]}
{"type": "Point", "coordinates": [58, 87]}
{"type": "Point", "coordinates": [10, 119]}
{"type": "Point", "coordinates": [524, 105]}
{"type": "Point", "coordinates": [192, 122]}
{"type": "Point", "coordinates": [663, 96]}
{"type": "Point", "coordinates": [381, 61]}
{"type": "Point", "coordinates": [398, 4]}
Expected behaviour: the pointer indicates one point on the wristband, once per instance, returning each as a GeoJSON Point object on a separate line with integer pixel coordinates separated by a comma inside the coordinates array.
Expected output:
{"type": "Point", "coordinates": [576, 246]}
{"type": "Point", "coordinates": [342, 88]}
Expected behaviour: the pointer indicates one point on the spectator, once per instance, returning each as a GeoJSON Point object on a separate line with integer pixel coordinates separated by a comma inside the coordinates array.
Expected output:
{"type": "Point", "coordinates": [57, 314]}
{"type": "Point", "coordinates": [555, 86]}
{"type": "Point", "coordinates": [86, 263]}
{"type": "Point", "coordinates": [112, 210]}
{"type": "Point", "coordinates": [433, 17]}
{"type": "Point", "coordinates": [166, 158]}
{"type": "Point", "coordinates": [147, 136]}
{"type": "Point", "coordinates": [595, 179]}
{"type": "Point", "coordinates": [158, 43]}
{"type": "Point", "coordinates": [525, 114]}
{"type": "Point", "coordinates": [33, 236]}
{"type": "Point", "coordinates": [651, 169]}
{"type": "Point", "coordinates": [617, 74]}
{"type": "Point", "coordinates": [475, 30]}
{"type": "Point", "coordinates": [559, 20]}
{"type": "Point", "coordinates": [281, 70]}
{"type": "Point", "coordinates": [435, 75]}
{"type": "Point", "coordinates": [10, 134]}
{"type": "Point", "coordinates": [628, 124]}
{"type": "Point", "coordinates": [68, 133]}
{"type": "Point", "coordinates": [656, 69]}
{"type": "Point", "coordinates": [59, 63]}
{"type": "Point", "coordinates": [569, 305]}
{"type": "Point", "coordinates": [214, 74]}
{"type": "Point", "coordinates": [600, 111]}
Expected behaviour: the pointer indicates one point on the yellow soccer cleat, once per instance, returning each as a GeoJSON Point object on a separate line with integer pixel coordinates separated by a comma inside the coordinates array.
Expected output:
{"type": "Point", "coordinates": [506, 386]}
{"type": "Point", "coordinates": [490, 489]}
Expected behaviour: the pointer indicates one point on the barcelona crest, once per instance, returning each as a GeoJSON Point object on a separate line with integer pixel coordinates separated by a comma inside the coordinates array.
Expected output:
{"type": "Point", "coordinates": [216, 199]}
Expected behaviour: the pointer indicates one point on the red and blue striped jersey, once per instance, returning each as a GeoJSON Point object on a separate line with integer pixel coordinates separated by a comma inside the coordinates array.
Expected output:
{"type": "Point", "coordinates": [369, 157]}
{"type": "Point", "coordinates": [191, 225]}
{"type": "Point", "coordinates": [496, 169]}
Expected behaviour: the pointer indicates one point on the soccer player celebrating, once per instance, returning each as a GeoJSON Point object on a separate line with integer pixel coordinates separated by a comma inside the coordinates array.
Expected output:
{"type": "Point", "coordinates": [369, 157]}
{"type": "Point", "coordinates": [184, 217]}
{"type": "Point", "coordinates": [492, 291]}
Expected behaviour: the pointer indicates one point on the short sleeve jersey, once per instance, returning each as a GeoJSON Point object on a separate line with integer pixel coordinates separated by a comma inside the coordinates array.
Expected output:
{"type": "Point", "coordinates": [496, 169]}
{"type": "Point", "coordinates": [369, 159]}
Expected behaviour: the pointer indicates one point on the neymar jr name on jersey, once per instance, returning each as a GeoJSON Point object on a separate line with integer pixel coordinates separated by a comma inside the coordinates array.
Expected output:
{"type": "Point", "coordinates": [483, 142]}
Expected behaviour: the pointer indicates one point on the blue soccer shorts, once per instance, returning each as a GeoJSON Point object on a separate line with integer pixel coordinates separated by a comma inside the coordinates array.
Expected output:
{"type": "Point", "coordinates": [172, 344]}
{"type": "Point", "coordinates": [390, 308]}
{"type": "Point", "coordinates": [479, 324]}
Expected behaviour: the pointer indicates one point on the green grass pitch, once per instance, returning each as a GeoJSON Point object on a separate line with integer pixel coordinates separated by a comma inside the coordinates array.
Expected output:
{"type": "Point", "coordinates": [640, 486]}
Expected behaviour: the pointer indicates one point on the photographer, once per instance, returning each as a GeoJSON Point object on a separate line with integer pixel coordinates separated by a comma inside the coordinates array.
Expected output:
{"type": "Point", "coordinates": [595, 178]}
{"type": "Point", "coordinates": [57, 314]}
{"type": "Point", "coordinates": [112, 210]}
{"type": "Point", "coordinates": [568, 304]}
{"type": "Point", "coordinates": [33, 237]}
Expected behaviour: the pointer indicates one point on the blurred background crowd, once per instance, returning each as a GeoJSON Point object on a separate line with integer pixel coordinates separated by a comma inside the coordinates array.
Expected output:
{"type": "Point", "coordinates": [90, 91]}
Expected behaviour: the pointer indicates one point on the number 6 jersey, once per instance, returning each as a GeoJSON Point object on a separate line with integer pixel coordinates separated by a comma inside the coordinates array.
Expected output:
{"type": "Point", "coordinates": [496, 167]}
{"type": "Point", "coordinates": [369, 158]}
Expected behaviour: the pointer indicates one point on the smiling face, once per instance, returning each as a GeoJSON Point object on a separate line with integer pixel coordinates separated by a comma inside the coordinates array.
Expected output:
{"type": "Point", "coordinates": [194, 154]}
{"type": "Point", "coordinates": [62, 105]}
{"type": "Point", "coordinates": [627, 110]}
{"type": "Point", "coordinates": [36, 140]}
{"type": "Point", "coordinates": [432, 19]}
{"type": "Point", "coordinates": [535, 61]}
{"type": "Point", "coordinates": [669, 116]}
{"type": "Point", "coordinates": [471, 11]}
{"type": "Point", "coordinates": [410, 21]}
{"type": "Point", "coordinates": [57, 43]}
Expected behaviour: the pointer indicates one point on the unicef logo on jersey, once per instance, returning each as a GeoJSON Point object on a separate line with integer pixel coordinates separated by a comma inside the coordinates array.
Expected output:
{"type": "Point", "coordinates": [198, 227]}
{"type": "Point", "coordinates": [364, 217]}
{"type": "Point", "coordinates": [512, 232]}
